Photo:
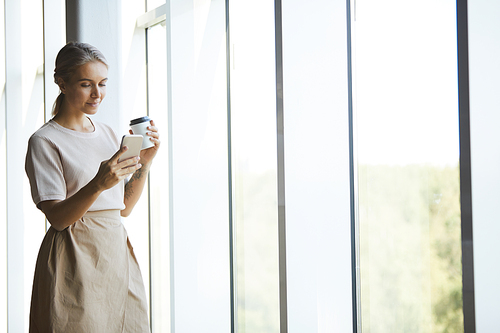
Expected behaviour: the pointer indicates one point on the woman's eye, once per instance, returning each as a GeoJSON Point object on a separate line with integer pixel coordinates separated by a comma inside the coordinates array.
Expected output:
{"type": "Point", "coordinates": [85, 85]}
{"type": "Point", "coordinates": [102, 85]}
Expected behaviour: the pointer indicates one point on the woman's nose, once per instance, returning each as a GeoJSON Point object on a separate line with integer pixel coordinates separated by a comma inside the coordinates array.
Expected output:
{"type": "Point", "coordinates": [96, 92]}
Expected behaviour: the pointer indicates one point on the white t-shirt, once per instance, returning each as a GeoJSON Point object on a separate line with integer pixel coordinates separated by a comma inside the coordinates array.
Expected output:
{"type": "Point", "coordinates": [60, 161]}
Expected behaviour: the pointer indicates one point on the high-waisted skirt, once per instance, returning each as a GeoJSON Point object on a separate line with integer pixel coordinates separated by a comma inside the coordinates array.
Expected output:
{"type": "Point", "coordinates": [87, 279]}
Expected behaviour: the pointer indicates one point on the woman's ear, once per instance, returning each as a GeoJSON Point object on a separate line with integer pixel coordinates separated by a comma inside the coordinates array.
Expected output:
{"type": "Point", "coordinates": [62, 85]}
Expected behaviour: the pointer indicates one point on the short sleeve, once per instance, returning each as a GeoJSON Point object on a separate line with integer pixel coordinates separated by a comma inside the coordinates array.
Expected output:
{"type": "Point", "coordinates": [45, 172]}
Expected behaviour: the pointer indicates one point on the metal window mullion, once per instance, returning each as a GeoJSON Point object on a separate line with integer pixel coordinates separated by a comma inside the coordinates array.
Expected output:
{"type": "Point", "coordinates": [232, 284]}
{"type": "Point", "coordinates": [281, 169]}
{"type": "Point", "coordinates": [353, 174]}
{"type": "Point", "coordinates": [465, 169]}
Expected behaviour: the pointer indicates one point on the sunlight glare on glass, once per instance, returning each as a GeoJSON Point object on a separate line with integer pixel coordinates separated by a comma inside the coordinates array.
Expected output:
{"type": "Point", "coordinates": [418, 100]}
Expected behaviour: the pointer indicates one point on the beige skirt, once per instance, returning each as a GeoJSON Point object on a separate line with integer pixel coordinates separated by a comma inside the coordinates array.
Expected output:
{"type": "Point", "coordinates": [87, 279]}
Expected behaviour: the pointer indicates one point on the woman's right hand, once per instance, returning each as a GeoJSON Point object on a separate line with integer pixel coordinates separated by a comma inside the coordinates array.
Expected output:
{"type": "Point", "coordinates": [111, 172]}
{"type": "Point", "coordinates": [63, 213]}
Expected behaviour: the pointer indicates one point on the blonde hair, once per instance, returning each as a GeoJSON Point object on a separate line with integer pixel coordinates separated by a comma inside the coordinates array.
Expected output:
{"type": "Point", "coordinates": [68, 60]}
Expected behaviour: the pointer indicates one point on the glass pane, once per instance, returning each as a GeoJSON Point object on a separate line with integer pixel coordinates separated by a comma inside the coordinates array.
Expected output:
{"type": "Point", "coordinates": [159, 181]}
{"type": "Point", "coordinates": [408, 166]}
{"type": "Point", "coordinates": [199, 167]}
{"type": "Point", "coordinates": [137, 226]}
{"type": "Point", "coordinates": [484, 71]}
{"type": "Point", "coordinates": [253, 135]}
{"type": "Point", "coordinates": [316, 134]}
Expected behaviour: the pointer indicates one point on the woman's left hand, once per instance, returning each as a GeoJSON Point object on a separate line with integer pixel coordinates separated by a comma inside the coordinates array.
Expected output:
{"type": "Point", "coordinates": [148, 154]}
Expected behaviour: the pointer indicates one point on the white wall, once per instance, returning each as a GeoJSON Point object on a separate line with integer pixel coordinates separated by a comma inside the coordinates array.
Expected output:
{"type": "Point", "coordinates": [484, 71]}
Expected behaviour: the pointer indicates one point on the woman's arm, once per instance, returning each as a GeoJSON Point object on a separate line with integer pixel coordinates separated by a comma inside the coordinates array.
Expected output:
{"type": "Point", "coordinates": [135, 186]}
{"type": "Point", "coordinates": [63, 213]}
{"type": "Point", "coordinates": [133, 189]}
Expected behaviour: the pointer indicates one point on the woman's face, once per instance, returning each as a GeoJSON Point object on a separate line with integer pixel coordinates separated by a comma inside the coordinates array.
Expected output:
{"type": "Point", "coordinates": [86, 89]}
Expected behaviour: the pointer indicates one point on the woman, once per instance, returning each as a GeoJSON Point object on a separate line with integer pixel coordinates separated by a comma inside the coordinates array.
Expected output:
{"type": "Point", "coordinates": [87, 278]}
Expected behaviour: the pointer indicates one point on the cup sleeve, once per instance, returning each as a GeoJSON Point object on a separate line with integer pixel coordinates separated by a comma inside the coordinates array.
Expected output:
{"type": "Point", "coordinates": [45, 171]}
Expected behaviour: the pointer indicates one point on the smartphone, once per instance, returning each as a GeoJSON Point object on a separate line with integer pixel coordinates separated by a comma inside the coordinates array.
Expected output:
{"type": "Point", "coordinates": [134, 144]}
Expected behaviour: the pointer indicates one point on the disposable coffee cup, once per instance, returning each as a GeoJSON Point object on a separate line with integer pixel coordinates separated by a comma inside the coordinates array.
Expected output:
{"type": "Point", "coordinates": [140, 126]}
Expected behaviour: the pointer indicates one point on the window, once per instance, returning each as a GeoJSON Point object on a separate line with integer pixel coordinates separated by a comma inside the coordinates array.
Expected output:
{"type": "Point", "coordinates": [372, 207]}
{"type": "Point", "coordinates": [253, 152]}
{"type": "Point", "coordinates": [406, 120]}
{"type": "Point", "coordinates": [159, 180]}
{"type": "Point", "coordinates": [23, 110]}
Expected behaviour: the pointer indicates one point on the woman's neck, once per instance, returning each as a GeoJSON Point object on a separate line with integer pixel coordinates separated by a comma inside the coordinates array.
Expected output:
{"type": "Point", "coordinates": [80, 123]}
